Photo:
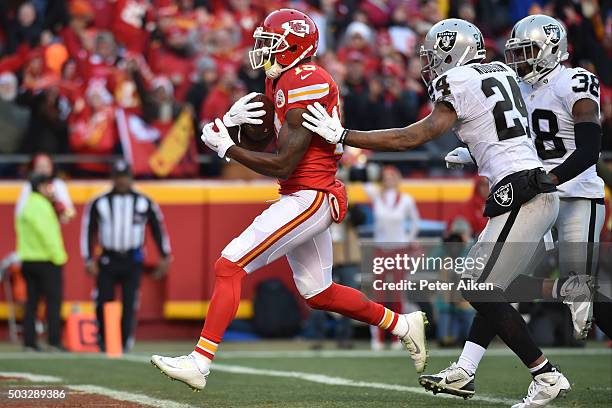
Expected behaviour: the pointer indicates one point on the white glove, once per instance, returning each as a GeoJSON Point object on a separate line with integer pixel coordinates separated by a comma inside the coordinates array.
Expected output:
{"type": "Point", "coordinates": [319, 121]}
{"type": "Point", "coordinates": [218, 141]}
{"type": "Point", "coordinates": [458, 157]}
{"type": "Point", "coordinates": [241, 112]}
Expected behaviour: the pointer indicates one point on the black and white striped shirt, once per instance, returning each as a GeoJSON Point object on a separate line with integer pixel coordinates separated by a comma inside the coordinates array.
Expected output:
{"type": "Point", "coordinates": [118, 222]}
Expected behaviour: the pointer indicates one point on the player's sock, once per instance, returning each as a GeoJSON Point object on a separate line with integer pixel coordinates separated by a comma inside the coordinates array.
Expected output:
{"type": "Point", "coordinates": [543, 367]}
{"type": "Point", "coordinates": [204, 353]}
{"type": "Point", "coordinates": [509, 325]}
{"type": "Point", "coordinates": [222, 309]}
{"type": "Point", "coordinates": [392, 323]}
{"type": "Point", "coordinates": [470, 357]}
{"type": "Point", "coordinates": [602, 311]}
{"type": "Point", "coordinates": [354, 304]}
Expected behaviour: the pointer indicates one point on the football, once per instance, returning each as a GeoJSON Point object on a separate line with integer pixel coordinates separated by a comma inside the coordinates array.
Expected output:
{"type": "Point", "coordinates": [257, 137]}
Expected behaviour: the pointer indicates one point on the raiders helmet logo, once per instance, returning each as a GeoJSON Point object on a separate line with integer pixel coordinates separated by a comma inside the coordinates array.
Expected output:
{"type": "Point", "coordinates": [446, 40]}
{"type": "Point", "coordinates": [504, 195]}
{"type": "Point", "coordinates": [280, 99]}
{"type": "Point", "coordinates": [553, 31]}
{"type": "Point", "coordinates": [297, 27]}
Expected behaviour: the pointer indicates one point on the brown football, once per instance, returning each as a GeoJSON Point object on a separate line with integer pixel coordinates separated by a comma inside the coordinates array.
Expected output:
{"type": "Point", "coordinates": [258, 137]}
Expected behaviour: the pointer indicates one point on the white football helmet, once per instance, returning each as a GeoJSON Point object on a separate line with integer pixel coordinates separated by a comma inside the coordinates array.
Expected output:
{"type": "Point", "coordinates": [448, 44]}
{"type": "Point", "coordinates": [536, 46]}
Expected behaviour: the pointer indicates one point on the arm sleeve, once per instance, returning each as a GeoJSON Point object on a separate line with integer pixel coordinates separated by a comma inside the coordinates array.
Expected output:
{"type": "Point", "coordinates": [412, 213]}
{"type": "Point", "coordinates": [588, 146]}
{"type": "Point", "coordinates": [61, 193]}
{"type": "Point", "coordinates": [89, 228]}
{"type": "Point", "coordinates": [580, 84]}
{"type": "Point", "coordinates": [23, 196]}
{"type": "Point", "coordinates": [156, 223]}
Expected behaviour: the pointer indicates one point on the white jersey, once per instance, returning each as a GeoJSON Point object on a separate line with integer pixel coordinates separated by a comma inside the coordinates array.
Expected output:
{"type": "Point", "coordinates": [550, 103]}
{"type": "Point", "coordinates": [492, 118]}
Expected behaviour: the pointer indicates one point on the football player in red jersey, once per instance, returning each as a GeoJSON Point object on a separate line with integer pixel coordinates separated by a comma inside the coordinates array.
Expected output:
{"type": "Point", "coordinates": [296, 226]}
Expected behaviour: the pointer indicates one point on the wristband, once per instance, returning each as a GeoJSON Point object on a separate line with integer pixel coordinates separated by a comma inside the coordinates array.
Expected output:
{"type": "Point", "coordinates": [343, 136]}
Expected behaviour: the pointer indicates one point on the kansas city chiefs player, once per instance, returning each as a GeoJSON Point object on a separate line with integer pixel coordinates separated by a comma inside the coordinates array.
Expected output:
{"type": "Point", "coordinates": [296, 226]}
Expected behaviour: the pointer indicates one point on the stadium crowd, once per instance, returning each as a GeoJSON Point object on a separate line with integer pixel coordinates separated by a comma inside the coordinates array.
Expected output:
{"type": "Point", "coordinates": [139, 77]}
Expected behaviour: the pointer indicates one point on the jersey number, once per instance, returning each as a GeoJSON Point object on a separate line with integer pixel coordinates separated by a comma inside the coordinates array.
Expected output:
{"type": "Point", "coordinates": [587, 83]}
{"type": "Point", "coordinates": [558, 149]}
{"type": "Point", "coordinates": [443, 86]}
{"type": "Point", "coordinates": [303, 68]}
{"type": "Point", "coordinates": [506, 105]}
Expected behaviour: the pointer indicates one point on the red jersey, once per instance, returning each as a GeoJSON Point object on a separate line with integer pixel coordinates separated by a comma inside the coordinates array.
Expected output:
{"type": "Point", "coordinates": [298, 87]}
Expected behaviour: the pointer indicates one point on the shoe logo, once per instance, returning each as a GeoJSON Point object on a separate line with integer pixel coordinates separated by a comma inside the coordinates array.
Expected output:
{"type": "Point", "coordinates": [303, 77]}
{"type": "Point", "coordinates": [416, 346]}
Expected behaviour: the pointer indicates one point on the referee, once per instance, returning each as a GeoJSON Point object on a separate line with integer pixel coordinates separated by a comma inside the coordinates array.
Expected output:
{"type": "Point", "coordinates": [117, 220]}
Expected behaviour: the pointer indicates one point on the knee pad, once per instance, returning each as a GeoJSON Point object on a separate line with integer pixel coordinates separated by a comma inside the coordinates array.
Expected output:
{"type": "Point", "coordinates": [323, 299]}
{"type": "Point", "coordinates": [227, 268]}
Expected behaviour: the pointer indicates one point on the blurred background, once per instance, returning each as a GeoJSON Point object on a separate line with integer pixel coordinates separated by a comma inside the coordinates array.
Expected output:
{"type": "Point", "coordinates": [86, 82]}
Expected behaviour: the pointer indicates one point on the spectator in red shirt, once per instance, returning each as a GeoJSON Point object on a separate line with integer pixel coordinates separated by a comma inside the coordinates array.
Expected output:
{"type": "Point", "coordinates": [132, 19]}
{"type": "Point", "coordinates": [358, 38]}
{"type": "Point", "coordinates": [92, 127]}
{"type": "Point", "coordinates": [221, 97]}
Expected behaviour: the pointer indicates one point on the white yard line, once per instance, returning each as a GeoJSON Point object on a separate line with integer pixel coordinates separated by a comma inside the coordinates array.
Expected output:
{"type": "Point", "coordinates": [31, 377]}
{"type": "Point", "coordinates": [95, 389]}
{"type": "Point", "coordinates": [339, 381]}
{"type": "Point", "coordinates": [330, 380]}
{"type": "Point", "coordinates": [127, 396]}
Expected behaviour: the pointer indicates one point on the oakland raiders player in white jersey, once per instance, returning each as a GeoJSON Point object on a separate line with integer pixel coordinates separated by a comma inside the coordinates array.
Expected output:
{"type": "Point", "coordinates": [483, 104]}
{"type": "Point", "coordinates": [563, 108]}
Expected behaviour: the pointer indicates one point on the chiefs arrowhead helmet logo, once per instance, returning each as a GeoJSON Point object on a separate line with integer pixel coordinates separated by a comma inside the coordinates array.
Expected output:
{"type": "Point", "coordinates": [297, 27]}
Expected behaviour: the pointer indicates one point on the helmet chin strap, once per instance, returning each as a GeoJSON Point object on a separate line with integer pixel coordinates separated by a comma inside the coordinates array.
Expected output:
{"type": "Point", "coordinates": [274, 70]}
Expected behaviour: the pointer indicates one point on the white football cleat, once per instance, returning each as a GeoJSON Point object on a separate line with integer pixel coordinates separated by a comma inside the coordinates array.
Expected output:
{"type": "Point", "coordinates": [414, 340]}
{"type": "Point", "coordinates": [453, 380]}
{"type": "Point", "coordinates": [544, 389]}
{"type": "Point", "coordinates": [183, 368]}
{"type": "Point", "coordinates": [577, 293]}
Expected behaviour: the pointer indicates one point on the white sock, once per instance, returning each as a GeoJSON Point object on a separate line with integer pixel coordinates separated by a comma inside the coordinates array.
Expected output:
{"type": "Point", "coordinates": [470, 357]}
{"type": "Point", "coordinates": [401, 327]}
{"type": "Point", "coordinates": [539, 366]}
{"type": "Point", "coordinates": [202, 362]}
{"type": "Point", "coordinates": [554, 289]}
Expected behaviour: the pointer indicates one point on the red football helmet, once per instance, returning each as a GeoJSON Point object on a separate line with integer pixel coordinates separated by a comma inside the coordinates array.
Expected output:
{"type": "Point", "coordinates": [286, 37]}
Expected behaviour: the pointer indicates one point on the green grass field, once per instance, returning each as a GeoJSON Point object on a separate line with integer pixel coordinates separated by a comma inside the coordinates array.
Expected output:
{"type": "Point", "coordinates": [287, 374]}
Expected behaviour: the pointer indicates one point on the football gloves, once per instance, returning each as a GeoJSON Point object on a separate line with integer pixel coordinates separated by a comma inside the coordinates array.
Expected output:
{"type": "Point", "coordinates": [241, 112]}
{"type": "Point", "coordinates": [219, 141]}
{"type": "Point", "coordinates": [328, 127]}
{"type": "Point", "coordinates": [457, 158]}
